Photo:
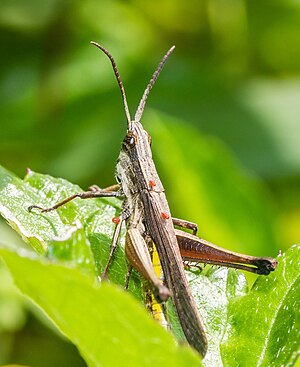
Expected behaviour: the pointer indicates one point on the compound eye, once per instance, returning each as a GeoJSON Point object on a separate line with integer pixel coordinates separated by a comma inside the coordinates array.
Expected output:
{"type": "Point", "coordinates": [130, 139]}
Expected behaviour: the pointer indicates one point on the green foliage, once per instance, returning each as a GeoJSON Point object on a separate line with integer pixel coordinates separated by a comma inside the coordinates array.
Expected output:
{"type": "Point", "coordinates": [71, 246]}
{"type": "Point", "coordinates": [78, 233]}
{"type": "Point", "coordinates": [106, 324]}
{"type": "Point", "coordinates": [265, 324]}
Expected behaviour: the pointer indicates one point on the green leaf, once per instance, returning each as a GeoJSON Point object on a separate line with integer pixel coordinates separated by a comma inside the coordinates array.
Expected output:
{"type": "Point", "coordinates": [75, 239]}
{"type": "Point", "coordinates": [12, 313]}
{"type": "Point", "coordinates": [264, 326]}
{"type": "Point", "coordinates": [53, 233]}
{"type": "Point", "coordinates": [213, 292]}
{"type": "Point", "coordinates": [104, 322]}
{"type": "Point", "coordinates": [213, 289]}
{"type": "Point", "coordinates": [38, 229]}
{"type": "Point", "coordinates": [76, 235]}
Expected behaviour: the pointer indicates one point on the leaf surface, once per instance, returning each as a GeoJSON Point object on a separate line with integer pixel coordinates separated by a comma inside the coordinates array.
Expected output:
{"type": "Point", "coordinates": [264, 326]}
{"type": "Point", "coordinates": [76, 239]}
{"type": "Point", "coordinates": [104, 322]}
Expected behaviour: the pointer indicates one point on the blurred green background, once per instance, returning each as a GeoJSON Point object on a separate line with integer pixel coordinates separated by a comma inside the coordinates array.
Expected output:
{"type": "Point", "coordinates": [223, 115]}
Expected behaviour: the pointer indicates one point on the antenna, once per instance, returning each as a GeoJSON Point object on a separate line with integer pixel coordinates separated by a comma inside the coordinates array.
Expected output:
{"type": "Point", "coordinates": [114, 65]}
{"type": "Point", "coordinates": [141, 106]}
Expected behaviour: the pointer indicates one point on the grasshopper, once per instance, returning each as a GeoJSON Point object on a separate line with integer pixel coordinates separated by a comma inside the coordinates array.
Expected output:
{"type": "Point", "coordinates": [146, 212]}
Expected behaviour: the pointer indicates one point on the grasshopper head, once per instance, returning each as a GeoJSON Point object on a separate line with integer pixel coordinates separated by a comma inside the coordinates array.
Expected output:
{"type": "Point", "coordinates": [137, 137]}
